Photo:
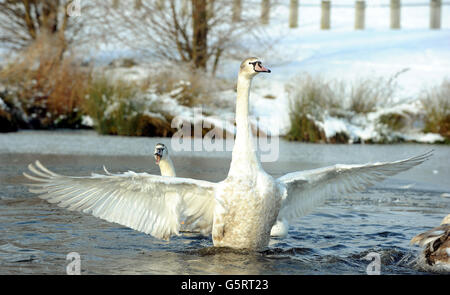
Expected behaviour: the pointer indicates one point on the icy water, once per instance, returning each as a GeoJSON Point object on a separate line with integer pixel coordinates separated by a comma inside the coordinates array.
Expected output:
{"type": "Point", "coordinates": [37, 236]}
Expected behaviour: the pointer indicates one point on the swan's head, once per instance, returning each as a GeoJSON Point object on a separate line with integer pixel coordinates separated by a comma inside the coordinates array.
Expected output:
{"type": "Point", "coordinates": [446, 220]}
{"type": "Point", "coordinates": [251, 67]}
{"type": "Point", "coordinates": [161, 153]}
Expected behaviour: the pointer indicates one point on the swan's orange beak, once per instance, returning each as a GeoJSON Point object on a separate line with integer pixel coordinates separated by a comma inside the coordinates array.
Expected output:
{"type": "Point", "coordinates": [260, 68]}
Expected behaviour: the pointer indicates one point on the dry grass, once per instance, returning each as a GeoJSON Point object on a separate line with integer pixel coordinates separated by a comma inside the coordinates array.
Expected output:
{"type": "Point", "coordinates": [111, 106]}
{"type": "Point", "coordinates": [312, 97]}
{"type": "Point", "coordinates": [122, 108]}
{"type": "Point", "coordinates": [436, 104]}
{"type": "Point", "coordinates": [309, 97]}
{"type": "Point", "coordinates": [186, 85]}
{"type": "Point", "coordinates": [395, 121]}
{"type": "Point", "coordinates": [366, 94]}
{"type": "Point", "coordinates": [47, 87]}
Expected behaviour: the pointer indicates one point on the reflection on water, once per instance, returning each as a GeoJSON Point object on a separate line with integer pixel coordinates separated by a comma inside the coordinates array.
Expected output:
{"type": "Point", "coordinates": [37, 236]}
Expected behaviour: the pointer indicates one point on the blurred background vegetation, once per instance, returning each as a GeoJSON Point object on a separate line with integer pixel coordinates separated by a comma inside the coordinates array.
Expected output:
{"type": "Point", "coordinates": [47, 82]}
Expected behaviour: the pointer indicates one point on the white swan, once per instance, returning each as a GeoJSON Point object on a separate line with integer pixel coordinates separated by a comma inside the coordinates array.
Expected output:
{"type": "Point", "coordinates": [164, 161]}
{"type": "Point", "coordinates": [436, 242]}
{"type": "Point", "coordinates": [239, 212]}
{"type": "Point", "coordinates": [167, 168]}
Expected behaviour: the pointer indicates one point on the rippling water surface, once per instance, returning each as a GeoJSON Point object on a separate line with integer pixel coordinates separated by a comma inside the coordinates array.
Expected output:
{"type": "Point", "coordinates": [36, 236]}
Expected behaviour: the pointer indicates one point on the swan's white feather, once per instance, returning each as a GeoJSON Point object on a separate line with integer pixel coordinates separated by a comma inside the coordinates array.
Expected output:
{"type": "Point", "coordinates": [308, 189]}
{"type": "Point", "coordinates": [148, 203]}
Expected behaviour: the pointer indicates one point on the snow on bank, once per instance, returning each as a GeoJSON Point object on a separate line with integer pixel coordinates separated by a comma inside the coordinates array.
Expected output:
{"type": "Point", "coordinates": [422, 56]}
{"type": "Point", "coordinates": [270, 114]}
{"type": "Point", "coordinates": [418, 58]}
{"type": "Point", "coordinates": [368, 127]}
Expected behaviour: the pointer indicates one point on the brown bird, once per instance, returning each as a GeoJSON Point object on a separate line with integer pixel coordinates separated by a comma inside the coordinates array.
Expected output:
{"type": "Point", "coordinates": [436, 242]}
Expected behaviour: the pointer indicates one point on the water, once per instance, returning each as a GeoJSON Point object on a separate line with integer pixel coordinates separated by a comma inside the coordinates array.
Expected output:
{"type": "Point", "coordinates": [36, 236]}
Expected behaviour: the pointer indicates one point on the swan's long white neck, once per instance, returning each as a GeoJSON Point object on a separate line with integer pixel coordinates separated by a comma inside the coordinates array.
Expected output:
{"type": "Point", "coordinates": [244, 160]}
{"type": "Point", "coordinates": [166, 167]}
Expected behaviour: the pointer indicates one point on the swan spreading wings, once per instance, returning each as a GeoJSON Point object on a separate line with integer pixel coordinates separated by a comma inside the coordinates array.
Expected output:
{"type": "Point", "coordinates": [238, 212]}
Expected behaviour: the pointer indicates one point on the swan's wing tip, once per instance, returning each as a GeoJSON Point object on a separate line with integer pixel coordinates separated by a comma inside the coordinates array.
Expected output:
{"type": "Point", "coordinates": [423, 157]}
{"type": "Point", "coordinates": [428, 154]}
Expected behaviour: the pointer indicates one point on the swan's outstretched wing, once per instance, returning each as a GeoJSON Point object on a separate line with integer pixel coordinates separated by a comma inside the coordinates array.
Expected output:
{"type": "Point", "coordinates": [430, 236]}
{"type": "Point", "coordinates": [307, 189]}
{"type": "Point", "coordinates": [148, 203]}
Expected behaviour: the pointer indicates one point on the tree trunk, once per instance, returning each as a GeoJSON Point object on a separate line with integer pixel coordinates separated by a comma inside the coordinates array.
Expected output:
{"type": "Point", "coordinates": [200, 32]}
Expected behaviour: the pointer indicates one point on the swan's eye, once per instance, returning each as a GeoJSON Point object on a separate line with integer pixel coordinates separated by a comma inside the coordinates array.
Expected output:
{"type": "Point", "coordinates": [159, 151]}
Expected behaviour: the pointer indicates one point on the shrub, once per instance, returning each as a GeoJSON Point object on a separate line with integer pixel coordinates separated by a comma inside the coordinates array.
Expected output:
{"type": "Point", "coordinates": [304, 129]}
{"type": "Point", "coordinates": [111, 106]}
{"type": "Point", "coordinates": [366, 94]}
{"type": "Point", "coordinates": [308, 98]}
{"type": "Point", "coordinates": [7, 122]}
{"type": "Point", "coordinates": [394, 121]}
{"type": "Point", "coordinates": [122, 108]}
{"type": "Point", "coordinates": [312, 95]}
{"type": "Point", "coordinates": [46, 89]}
{"type": "Point", "coordinates": [312, 99]}
{"type": "Point", "coordinates": [187, 86]}
{"type": "Point", "coordinates": [154, 126]}
{"type": "Point", "coordinates": [436, 105]}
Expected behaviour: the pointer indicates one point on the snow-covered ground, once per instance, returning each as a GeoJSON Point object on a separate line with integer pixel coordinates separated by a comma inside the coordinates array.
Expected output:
{"type": "Point", "coordinates": [421, 55]}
